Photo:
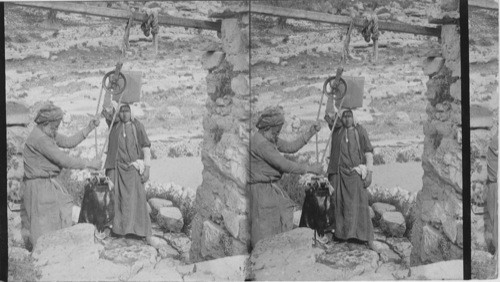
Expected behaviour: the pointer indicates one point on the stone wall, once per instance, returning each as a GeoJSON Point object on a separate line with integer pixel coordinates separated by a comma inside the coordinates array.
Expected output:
{"type": "Point", "coordinates": [221, 225]}
{"type": "Point", "coordinates": [18, 120]}
{"type": "Point", "coordinates": [437, 230]}
{"type": "Point", "coordinates": [484, 95]}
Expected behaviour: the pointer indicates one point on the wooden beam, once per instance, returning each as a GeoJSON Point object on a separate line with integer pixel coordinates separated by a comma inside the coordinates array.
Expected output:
{"type": "Point", "coordinates": [75, 7]}
{"type": "Point", "coordinates": [484, 4]}
{"type": "Point", "coordinates": [341, 20]}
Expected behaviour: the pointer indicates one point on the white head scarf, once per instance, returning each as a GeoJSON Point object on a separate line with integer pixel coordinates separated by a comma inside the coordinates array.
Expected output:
{"type": "Point", "coordinates": [343, 110]}
{"type": "Point", "coordinates": [115, 107]}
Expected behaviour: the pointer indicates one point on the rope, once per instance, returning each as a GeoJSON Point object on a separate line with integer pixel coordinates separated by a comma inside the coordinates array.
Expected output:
{"type": "Point", "coordinates": [150, 24]}
{"type": "Point", "coordinates": [333, 128]}
{"type": "Point", "coordinates": [370, 27]}
{"type": "Point", "coordinates": [126, 35]}
{"type": "Point", "coordinates": [97, 112]}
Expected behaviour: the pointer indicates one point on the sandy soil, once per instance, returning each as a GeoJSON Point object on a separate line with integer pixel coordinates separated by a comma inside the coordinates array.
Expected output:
{"type": "Point", "coordinates": [184, 171]}
{"type": "Point", "coordinates": [405, 175]}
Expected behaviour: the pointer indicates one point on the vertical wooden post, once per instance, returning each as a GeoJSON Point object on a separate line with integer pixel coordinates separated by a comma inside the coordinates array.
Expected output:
{"type": "Point", "coordinates": [126, 35]}
{"type": "Point", "coordinates": [155, 43]}
{"type": "Point", "coordinates": [375, 51]}
{"type": "Point", "coordinates": [345, 51]}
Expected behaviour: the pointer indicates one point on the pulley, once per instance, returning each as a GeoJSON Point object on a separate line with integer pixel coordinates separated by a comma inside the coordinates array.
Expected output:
{"type": "Point", "coordinates": [335, 88]}
{"type": "Point", "coordinates": [114, 82]}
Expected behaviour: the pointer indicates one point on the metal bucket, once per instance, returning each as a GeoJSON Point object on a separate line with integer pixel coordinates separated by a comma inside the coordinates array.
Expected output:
{"type": "Point", "coordinates": [355, 91]}
{"type": "Point", "coordinates": [132, 92]}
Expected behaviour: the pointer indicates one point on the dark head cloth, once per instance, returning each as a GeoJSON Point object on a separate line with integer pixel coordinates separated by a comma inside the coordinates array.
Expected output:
{"type": "Point", "coordinates": [272, 116]}
{"type": "Point", "coordinates": [49, 112]}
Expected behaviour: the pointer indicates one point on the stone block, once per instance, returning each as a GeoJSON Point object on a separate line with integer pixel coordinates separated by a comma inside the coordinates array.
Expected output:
{"type": "Point", "coordinates": [401, 246]}
{"type": "Point", "coordinates": [443, 270]}
{"type": "Point", "coordinates": [75, 214]}
{"type": "Point", "coordinates": [429, 245]}
{"type": "Point", "coordinates": [213, 83]}
{"type": "Point", "coordinates": [449, 5]}
{"type": "Point", "coordinates": [393, 223]}
{"type": "Point", "coordinates": [211, 238]}
{"type": "Point", "coordinates": [479, 171]}
{"type": "Point", "coordinates": [16, 137]}
{"type": "Point", "coordinates": [455, 67]}
{"type": "Point", "coordinates": [157, 203]}
{"type": "Point", "coordinates": [450, 228]}
{"type": "Point", "coordinates": [372, 213]}
{"type": "Point", "coordinates": [18, 254]}
{"type": "Point", "coordinates": [178, 241]}
{"type": "Point", "coordinates": [236, 201]}
{"type": "Point", "coordinates": [480, 122]}
{"type": "Point", "coordinates": [14, 189]}
{"type": "Point", "coordinates": [240, 85]}
{"type": "Point", "coordinates": [233, 37]}
{"type": "Point", "coordinates": [238, 247]}
{"type": "Point", "coordinates": [296, 218]}
{"type": "Point", "coordinates": [456, 90]}
{"type": "Point", "coordinates": [156, 274]}
{"type": "Point", "coordinates": [134, 253]}
{"type": "Point", "coordinates": [232, 222]}
{"type": "Point", "coordinates": [480, 139]}
{"type": "Point", "coordinates": [166, 251]}
{"type": "Point", "coordinates": [16, 168]}
{"type": "Point", "coordinates": [267, 261]}
{"type": "Point", "coordinates": [245, 19]}
{"type": "Point", "coordinates": [381, 208]}
{"type": "Point", "coordinates": [14, 229]}
{"type": "Point", "coordinates": [389, 255]}
{"type": "Point", "coordinates": [433, 65]}
{"type": "Point", "coordinates": [450, 35]}
{"type": "Point", "coordinates": [17, 114]}
{"type": "Point", "coordinates": [240, 62]}
{"type": "Point", "coordinates": [460, 234]}
{"type": "Point", "coordinates": [73, 243]}
{"type": "Point", "coordinates": [170, 218]}
{"type": "Point", "coordinates": [435, 88]}
{"type": "Point", "coordinates": [245, 233]}
{"type": "Point", "coordinates": [211, 60]}
{"type": "Point", "coordinates": [230, 157]}
{"type": "Point", "coordinates": [186, 269]}
{"type": "Point", "coordinates": [480, 117]}
{"type": "Point", "coordinates": [232, 268]}
{"type": "Point", "coordinates": [211, 47]}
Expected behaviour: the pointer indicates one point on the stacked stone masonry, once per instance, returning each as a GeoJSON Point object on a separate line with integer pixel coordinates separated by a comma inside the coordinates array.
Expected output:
{"type": "Point", "coordinates": [221, 225]}
{"type": "Point", "coordinates": [18, 119]}
{"type": "Point", "coordinates": [437, 230]}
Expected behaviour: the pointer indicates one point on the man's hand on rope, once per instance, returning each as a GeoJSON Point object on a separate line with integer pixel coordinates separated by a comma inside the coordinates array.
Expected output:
{"type": "Point", "coordinates": [315, 127]}
{"type": "Point", "coordinates": [95, 121]}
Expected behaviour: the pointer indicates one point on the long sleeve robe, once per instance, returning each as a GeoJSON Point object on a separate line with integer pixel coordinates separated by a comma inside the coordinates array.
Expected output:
{"type": "Point", "coordinates": [271, 208]}
{"type": "Point", "coordinates": [352, 217]}
{"type": "Point", "coordinates": [46, 205]}
{"type": "Point", "coordinates": [126, 141]}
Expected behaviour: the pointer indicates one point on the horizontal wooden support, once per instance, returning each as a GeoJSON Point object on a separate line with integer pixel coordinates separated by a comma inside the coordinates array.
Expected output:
{"type": "Point", "coordinates": [484, 4]}
{"type": "Point", "coordinates": [444, 20]}
{"type": "Point", "coordinates": [75, 7]}
{"type": "Point", "coordinates": [342, 20]}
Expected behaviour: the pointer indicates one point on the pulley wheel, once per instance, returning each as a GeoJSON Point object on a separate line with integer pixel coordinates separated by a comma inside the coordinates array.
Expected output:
{"type": "Point", "coordinates": [338, 92]}
{"type": "Point", "coordinates": [114, 84]}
